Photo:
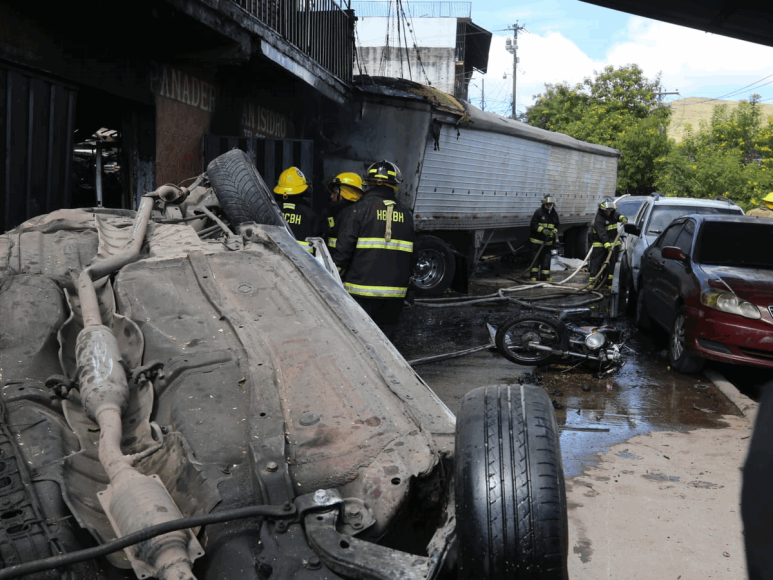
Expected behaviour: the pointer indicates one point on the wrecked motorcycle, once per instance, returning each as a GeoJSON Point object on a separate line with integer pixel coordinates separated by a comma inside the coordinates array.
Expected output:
{"type": "Point", "coordinates": [539, 339]}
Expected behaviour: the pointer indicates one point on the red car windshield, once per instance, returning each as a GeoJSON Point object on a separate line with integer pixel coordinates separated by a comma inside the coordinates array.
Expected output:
{"type": "Point", "coordinates": [738, 244]}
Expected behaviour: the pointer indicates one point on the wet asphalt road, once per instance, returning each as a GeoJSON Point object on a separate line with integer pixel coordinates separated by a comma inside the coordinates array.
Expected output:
{"type": "Point", "coordinates": [593, 414]}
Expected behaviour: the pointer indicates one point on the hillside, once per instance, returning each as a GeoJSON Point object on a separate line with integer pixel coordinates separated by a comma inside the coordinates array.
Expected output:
{"type": "Point", "coordinates": [693, 110]}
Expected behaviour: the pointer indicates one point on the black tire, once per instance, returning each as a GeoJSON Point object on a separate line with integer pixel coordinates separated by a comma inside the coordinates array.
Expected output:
{"type": "Point", "coordinates": [511, 508]}
{"type": "Point", "coordinates": [627, 296]}
{"type": "Point", "coordinates": [643, 320]}
{"type": "Point", "coordinates": [435, 266]}
{"type": "Point", "coordinates": [513, 336]}
{"type": "Point", "coordinates": [243, 194]}
{"type": "Point", "coordinates": [678, 356]}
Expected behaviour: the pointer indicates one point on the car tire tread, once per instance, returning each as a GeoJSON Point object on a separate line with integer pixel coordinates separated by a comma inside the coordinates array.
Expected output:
{"type": "Point", "coordinates": [512, 511]}
{"type": "Point", "coordinates": [242, 193]}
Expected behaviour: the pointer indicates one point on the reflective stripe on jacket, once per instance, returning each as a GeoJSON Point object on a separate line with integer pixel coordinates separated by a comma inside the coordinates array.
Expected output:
{"type": "Point", "coordinates": [604, 229]}
{"type": "Point", "coordinates": [334, 209]}
{"type": "Point", "coordinates": [303, 221]}
{"type": "Point", "coordinates": [374, 247]}
{"type": "Point", "coordinates": [544, 222]}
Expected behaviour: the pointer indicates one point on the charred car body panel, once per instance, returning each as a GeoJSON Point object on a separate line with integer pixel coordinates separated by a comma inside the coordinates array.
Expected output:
{"type": "Point", "coordinates": [226, 409]}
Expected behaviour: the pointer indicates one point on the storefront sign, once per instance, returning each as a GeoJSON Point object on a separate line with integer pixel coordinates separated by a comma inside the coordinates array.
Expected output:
{"type": "Point", "coordinates": [258, 121]}
{"type": "Point", "coordinates": [179, 86]}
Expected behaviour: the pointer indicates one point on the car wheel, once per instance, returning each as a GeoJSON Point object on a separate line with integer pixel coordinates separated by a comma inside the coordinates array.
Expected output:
{"type": "Point", "coordinates": [514, 337]}
{"type": "Point", "coordinates": [627, 304]}
{"type": "Point", "coordinates": [643, 320]}
{"type": "Point", "coordinates": [242, 193]}
{"type": "Point", "coordinates": [435, 266]}
{"type": "Point", "coordinates": [511, 509]}
{"type": "Point", "coordinates": [678, 355]}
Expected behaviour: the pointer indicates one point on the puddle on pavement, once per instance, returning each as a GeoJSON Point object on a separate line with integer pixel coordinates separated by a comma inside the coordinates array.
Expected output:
{"type": "Point", "coordinates": [593, 414]}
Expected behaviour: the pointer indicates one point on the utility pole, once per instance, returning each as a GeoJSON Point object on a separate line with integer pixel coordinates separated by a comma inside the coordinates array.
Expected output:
{"type": "Point", "coordinates": [512, 48]}
{"type": "Point", "coordinates": [663, 93]}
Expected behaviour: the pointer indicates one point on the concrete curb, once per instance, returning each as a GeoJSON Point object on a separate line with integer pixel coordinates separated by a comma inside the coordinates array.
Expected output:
{"type": "Point", "coordinates": [744, 403]}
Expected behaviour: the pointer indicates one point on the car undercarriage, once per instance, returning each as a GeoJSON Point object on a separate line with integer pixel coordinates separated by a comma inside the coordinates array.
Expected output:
{"type": "Point", "coordinates": [182, 406]}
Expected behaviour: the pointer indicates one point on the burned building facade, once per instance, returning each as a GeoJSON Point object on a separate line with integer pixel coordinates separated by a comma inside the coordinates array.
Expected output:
{"type": "Point", "coordinates": [101, 103]}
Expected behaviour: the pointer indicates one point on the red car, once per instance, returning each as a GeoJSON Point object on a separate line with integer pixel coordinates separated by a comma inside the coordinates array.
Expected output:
{"type": "Point", "coordinates": [708, 281]}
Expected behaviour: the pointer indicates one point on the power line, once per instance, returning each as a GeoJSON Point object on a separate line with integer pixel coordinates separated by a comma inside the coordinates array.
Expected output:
{"type": "Point", "coordinates": [415, 43]}
{"type": "Point", "coordinates": [736, 91]}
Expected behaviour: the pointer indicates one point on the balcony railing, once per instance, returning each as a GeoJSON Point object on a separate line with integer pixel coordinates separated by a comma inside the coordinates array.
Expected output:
{"type": "Point", "coordinates": [321, 29]}
{"type": "Point", "coordinates": [387, 8]}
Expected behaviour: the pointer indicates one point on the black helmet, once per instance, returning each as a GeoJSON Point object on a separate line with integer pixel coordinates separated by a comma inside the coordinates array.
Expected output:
{"type": "Point", "coordinates": [384, 171]}
{"type": "Point", "coordinates": [548, 199]}
{"type": "Point", "coordinates": [607, 203]}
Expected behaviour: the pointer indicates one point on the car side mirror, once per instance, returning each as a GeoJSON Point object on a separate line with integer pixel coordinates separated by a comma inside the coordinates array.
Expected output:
{"type": "Point", "coordinates": [633, 229]}
{"type": "Point", "coordinates": [674, 253]}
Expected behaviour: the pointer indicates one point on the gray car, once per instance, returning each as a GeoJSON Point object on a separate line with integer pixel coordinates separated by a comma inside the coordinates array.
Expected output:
{"type": "Point", "coordinates": [651, 220]}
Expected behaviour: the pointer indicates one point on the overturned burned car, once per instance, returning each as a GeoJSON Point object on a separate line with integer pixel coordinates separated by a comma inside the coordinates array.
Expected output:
{"type": "Point", "coordinates": [188, 393]}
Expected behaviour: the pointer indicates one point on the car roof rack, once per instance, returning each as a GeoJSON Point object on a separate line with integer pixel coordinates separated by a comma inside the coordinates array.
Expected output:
{"type": "Point", "coordinates": [655, 196]}
{"type": "Point", "coordinates": [723, 198]}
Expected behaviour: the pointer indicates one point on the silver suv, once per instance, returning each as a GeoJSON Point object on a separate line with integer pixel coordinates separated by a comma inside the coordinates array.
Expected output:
{"type": "Point", "coordinates": [653, 216]}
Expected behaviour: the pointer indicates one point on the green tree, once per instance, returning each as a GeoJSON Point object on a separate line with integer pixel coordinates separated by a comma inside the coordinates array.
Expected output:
{"type": "Point", "coordinates": [617, 107]}
{"type": "Point", "coordinates": [732, 155]}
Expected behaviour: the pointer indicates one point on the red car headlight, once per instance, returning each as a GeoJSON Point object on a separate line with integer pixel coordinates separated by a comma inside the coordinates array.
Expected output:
{"type": "Point", "coordinates": [727, 302]}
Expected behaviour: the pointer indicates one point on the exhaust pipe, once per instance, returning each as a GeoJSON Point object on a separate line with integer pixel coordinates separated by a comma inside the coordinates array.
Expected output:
{"type": "Point", "coordinates": [132, 501]}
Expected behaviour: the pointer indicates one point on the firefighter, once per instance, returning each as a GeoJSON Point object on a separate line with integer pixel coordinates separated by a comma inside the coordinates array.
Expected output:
{"type": "Point", "coordinates": [765, 210]}
{"type": "Point", "coordinates": [345, 189]}
{"type": "Point", "coordinates": [544, 234]}
{"type": "Point", "coordinates": [603, 234]}
{"type": "Point", "coordinates": [374, 250]}
{"type": "Point", "coordinates": [293, 193]}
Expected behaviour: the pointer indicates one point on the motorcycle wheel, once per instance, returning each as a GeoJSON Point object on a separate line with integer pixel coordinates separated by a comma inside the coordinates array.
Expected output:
{"type": "Point", "coordinates": [514, 336]}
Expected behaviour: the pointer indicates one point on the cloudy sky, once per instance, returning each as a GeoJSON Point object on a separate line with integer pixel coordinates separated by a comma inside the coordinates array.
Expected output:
{"type": "Point", "coordinates": [566, 40]}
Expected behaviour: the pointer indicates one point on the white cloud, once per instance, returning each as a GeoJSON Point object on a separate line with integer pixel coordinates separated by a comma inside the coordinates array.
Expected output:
{"type": "Point", "coordinates": [694, 62]}
{"type": "Point", "coordinates": [690, 60]}
{"type": "Point", "coordinates": [551, 58]}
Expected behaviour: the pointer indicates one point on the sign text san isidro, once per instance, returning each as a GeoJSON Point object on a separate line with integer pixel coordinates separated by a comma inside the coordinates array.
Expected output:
{"type": "Point", "coordinates": [257, 121]}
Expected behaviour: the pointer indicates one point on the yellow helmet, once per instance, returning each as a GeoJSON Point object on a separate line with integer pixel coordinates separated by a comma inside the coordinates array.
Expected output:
{"type": "Point", "coordinates": [291, 182]}
{"type": "Point", "coordinates": [768, 199]}
{"type": "Point", "coordinates": [350, 185]}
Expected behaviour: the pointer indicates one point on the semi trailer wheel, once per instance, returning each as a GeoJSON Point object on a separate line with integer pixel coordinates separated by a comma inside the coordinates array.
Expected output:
{"type": "Point", "coordinates": [511, 512]}
{"type": "Point", "coordinates": [435, 266]}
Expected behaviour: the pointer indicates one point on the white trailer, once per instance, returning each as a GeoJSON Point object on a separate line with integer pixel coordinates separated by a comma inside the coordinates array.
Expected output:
{"type": "Point", "coordinates": [472, 179]}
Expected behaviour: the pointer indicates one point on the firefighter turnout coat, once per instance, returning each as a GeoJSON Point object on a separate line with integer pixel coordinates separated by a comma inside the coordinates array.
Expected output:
{"type": "Point", "coordinates": [303, 221]}
{"type": "Point", "coordinates": [604, 229]}
{"type": "Point", "coordinates": [544, 226]}
{"type": "Point", "coordinates": [374, 249]}
{"type": "Point", "coordinates": [332, 220]}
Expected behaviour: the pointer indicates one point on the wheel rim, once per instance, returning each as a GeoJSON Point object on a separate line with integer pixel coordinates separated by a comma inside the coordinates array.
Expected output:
{"type": "Point", "coordinates": [518, 337]}
{"type": "Point", "coordinates": [430, 269]}
{"type": "Point", "coordinates": [677, 338]}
